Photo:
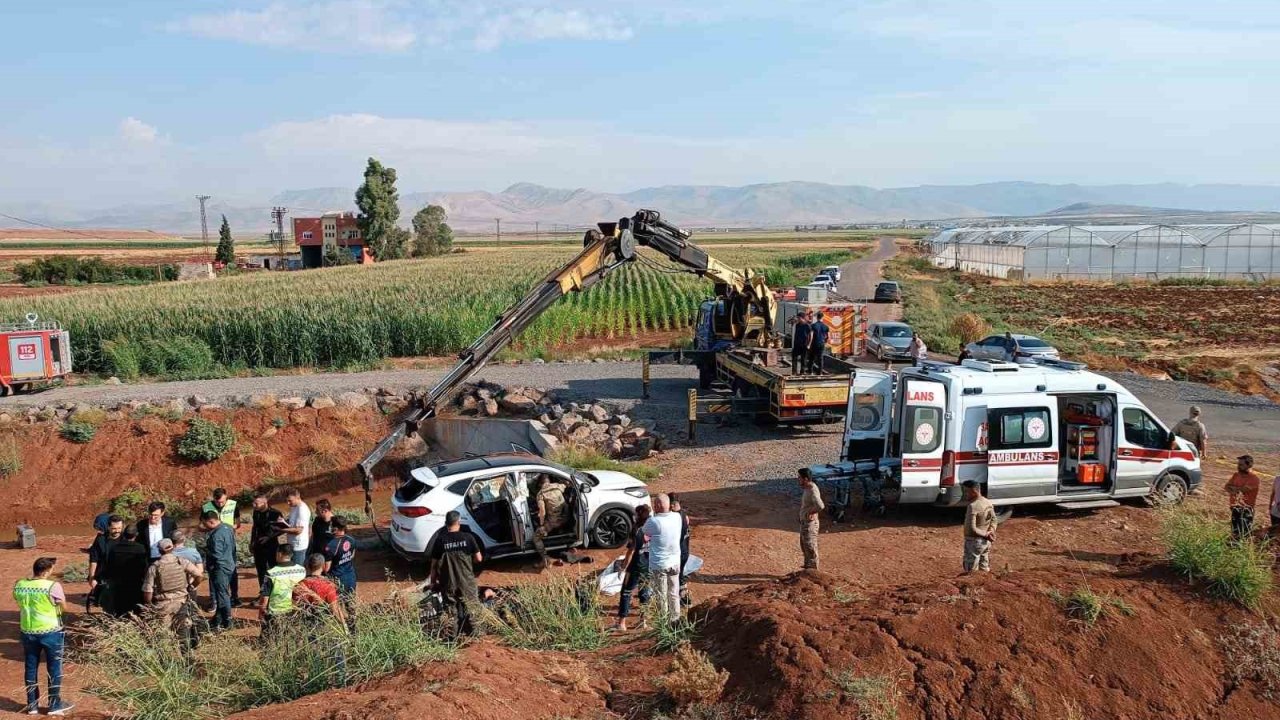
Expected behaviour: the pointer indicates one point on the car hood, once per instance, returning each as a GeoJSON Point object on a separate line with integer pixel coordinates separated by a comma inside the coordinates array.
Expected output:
{"type": "Point", "coordinates": [896, 342]}
{"type": "Point", "coordinates": [613, 480]}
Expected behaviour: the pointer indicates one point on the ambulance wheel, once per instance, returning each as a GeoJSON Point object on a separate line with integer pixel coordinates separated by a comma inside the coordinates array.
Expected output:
{"type": "Point", "coordinates": [5, 390]}
{"type": "Point", "coordinates": [1003, 513]}
{"type": "Point", "coordinates": [1171, 489]}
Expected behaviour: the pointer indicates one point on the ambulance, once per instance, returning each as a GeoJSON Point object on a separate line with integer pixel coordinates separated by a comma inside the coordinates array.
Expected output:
{"type": "Point", "coordinates": [1038, 431]}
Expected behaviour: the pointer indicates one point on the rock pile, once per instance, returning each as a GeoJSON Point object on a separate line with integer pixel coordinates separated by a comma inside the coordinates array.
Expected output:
{"type": "Point", "coordinates": [590, 425]}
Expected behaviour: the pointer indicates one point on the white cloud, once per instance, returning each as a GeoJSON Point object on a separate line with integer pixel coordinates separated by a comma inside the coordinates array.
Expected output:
{"type": "Point", "coordinates": [132, 130]}
{"type": "Point", "coordinates": [526, 24]}
{"type": "Point", "coordinates": [336, 26]}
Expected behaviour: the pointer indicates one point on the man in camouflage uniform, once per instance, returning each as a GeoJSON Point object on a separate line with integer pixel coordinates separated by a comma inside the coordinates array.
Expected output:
{"type": "Point", "coordinates": [552, 514]}
{"type": "Point", "coordinates": [166, 589]}
{"type": "Point", "coordinates": [1192, 430]}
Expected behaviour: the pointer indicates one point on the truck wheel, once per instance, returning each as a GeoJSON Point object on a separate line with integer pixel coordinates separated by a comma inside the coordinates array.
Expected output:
{"type": "Point", "coordinates": [1170, 489]}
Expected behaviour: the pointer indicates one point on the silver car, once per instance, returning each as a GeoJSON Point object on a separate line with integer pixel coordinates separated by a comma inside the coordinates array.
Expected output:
{"type": "Point", "coordinates": [1010, 348]}
{"type": "Point", "coordinates": [889, 340]}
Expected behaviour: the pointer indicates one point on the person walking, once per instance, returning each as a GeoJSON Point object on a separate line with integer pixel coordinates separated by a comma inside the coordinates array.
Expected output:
{"type": "Point", "coordinates": [41, 602]}
{"type": "Point", "coordinates": [453, 559]}
{"type": "Point", "coordinates": [275, 600]}
{"type": "Point", "coordinates": [801, 337]}
{"type": "Point", "coordinates": [264, 535]}
{"type": "Point", "coordinates": [126, 565]}
{"type": "Point", "coordinates": [818, 346]}
{"type": "Point", "coordinates": [635, 568]}
{"type": "Point", "coordinates": [166, 589]}
{"type": "Point", "coordinates": [1191, 429]}
{"type": "Point", "coordinates": [102, 544]}
{"type": "Point", "coordinates": [299, 529]}
{"type": "Point", "coordinates": [918, 351]}
{"type": "Point", "coordinates": [979, 528]}
{"type": "Point", "coordinates": [155, 527]}
{"type": "Point", "coordinates": [810, 505]}
{"type": "Point", "coordinates": [220, 563]}
{"type": "Point", "coordinates": [340, 563]}
{"type": "Point", "coordinates": [229, 512]}
{"type": "Point", "coordinates": [663, 530]}
{"type": "Point", "coordinates": [552, 515]}
{"type": "Point", "coordinates": [1242, 495]}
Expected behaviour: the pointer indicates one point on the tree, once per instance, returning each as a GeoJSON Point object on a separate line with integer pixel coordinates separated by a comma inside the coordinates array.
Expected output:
{"type": "Point", "coordinates": [334, 256]}
{"type": "Point", "coordinates": [378, 201]}
{"type": "Point", "coordinates": [226, 252]}
{"type": "Point", "coordinates": [431, 235]}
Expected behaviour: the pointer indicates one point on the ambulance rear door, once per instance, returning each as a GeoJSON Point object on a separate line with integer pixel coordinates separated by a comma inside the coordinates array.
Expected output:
{"type": "Point", "coordinates": [867, 414]}
{"type": "Point", "coordinates": [921, 428]}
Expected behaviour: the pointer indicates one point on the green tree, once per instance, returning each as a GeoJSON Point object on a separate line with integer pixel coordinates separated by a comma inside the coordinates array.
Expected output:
{"type": "Point", "coordinates": [226, 253]}
{"type": "Point", "coordinates": [431, 235]}
{"type": "Point", "coordinates": [334, 255]}
{"type": "Point", "coordinates": [379, 204]}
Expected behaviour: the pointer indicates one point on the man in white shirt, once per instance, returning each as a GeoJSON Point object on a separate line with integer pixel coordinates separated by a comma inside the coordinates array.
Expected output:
{"type": "Point", "coordinates": [664, 528]}
{"type": "Point", "coordinates": [299, 530]}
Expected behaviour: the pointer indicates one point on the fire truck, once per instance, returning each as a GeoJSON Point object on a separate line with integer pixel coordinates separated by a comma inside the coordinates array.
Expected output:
{"type": "Point", "coordinates": [31, 352]}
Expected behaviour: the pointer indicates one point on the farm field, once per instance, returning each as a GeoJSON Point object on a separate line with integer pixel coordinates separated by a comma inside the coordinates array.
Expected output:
{"type": "Point", "coordinates": [340, 317]}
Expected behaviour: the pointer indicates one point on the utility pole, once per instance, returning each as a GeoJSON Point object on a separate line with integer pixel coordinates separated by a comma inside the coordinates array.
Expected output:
{"type": "Point", "coordinates": [277, 214]}
{"type": "Point", "coordinates": [498, 223]}
{"type": "Point", "coordinates": [204, 226]}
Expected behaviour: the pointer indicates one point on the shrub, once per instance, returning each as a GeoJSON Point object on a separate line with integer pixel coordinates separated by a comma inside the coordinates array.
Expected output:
{"type": "Point", "coordinates": [129, 504]}
{"type": "Point", "coordinates": [969, 327]}
{"type": "Point", "coordinates": [206, 441]}
{"type": "Point", "coordinates": [10, 458]}
{"type": "Point", "coordinates": [89, 416]}
{"type": "Point", "coordinates": [584, 458]}
{"type": "Point", "coordinates": [122, 358]}
{"type": "Point", "coordinates": [693, 678]}
{"type": "Point", "coordinates": [78, 432]}
{"type": "Point", "coordinates": [76, 572]}
{"type": "Point", "coordinates": [562, 614]}
{"type": "Point", "coordinates": [669, 635]}
{"type": "Point", "coordinates": [1085, 606]}
{"type": "Point", "coordinates": [1200, 547]}
{"type": "Point", "coordinates": [1253, 653]}
{"type": "Point", "coordinates": [351, 515]}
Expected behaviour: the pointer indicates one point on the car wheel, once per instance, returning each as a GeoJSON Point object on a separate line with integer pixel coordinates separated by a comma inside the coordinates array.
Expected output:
{"type": "Point", "coordinates": [1170, 489]}
{"type": "Point", "coordinates": [612, 528]}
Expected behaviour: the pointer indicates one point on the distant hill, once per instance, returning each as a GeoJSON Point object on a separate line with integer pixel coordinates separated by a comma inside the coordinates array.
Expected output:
{"type": "Point", "coordinates": [768, 204]}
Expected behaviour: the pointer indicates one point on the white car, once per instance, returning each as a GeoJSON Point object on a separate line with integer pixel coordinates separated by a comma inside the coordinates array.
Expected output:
{"type": "Point", "coordinates": [824, 281]}
{"type": "Point", "coordinates": [832, 271]}
{"type": "Point", "coordinates": [494, 495]}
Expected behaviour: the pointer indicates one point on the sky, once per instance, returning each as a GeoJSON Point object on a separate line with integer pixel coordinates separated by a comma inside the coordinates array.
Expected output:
{"type": "Point", "coordinates": [156, 100]}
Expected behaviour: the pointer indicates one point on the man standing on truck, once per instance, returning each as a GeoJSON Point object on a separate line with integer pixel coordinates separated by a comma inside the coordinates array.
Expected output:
{"type": "Point", "coordinates": [1242, 494]}
{"type": "Point", "coordinates": [1192, 430]}
{"type": "Point", "coordinates": [801, 336]}
{"type": "Point", "coordinates": [979, 528]}
{"type": "Point", "coordinates": [810, 505]}
{"type": "Point", "coordinates": [818, 346]}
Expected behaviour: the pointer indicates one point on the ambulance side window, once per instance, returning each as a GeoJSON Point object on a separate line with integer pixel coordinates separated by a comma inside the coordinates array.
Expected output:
{"type": "Point", "coordinates": [1142, 430]}
{"type": "Point", "coordinates": [922, 432]}
{"type": "Point", "coordinates": [1019, 428]}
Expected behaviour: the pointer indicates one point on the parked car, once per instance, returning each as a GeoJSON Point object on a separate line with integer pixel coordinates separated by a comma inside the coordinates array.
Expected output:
{"type": "Point", "coordinates": [823, 281]}
{"type": "Point", "coordinates": [889, 340]}
{"type": "Point", "coordinates": [997, 348]}
{"type": "Point", "coordinates": [888, 291]}
{"type": "Point", "coordinates": [494, 494]}
{"type": "Point", "coordinates": [832, 271]}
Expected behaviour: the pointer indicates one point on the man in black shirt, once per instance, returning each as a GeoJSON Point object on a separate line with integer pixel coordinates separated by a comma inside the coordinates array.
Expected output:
{"type": "Point", "coordinates": [818, 345]}
{"type": "Point", "coordinates": [125, 566]}
{"type": "Point", "coordinates": [321, 526]}
{"type": "Point", "coordinates": [263, 538]}
{"type": "Point", "coordinates": [102, 544]}
{"type": "Point", "coordinates": [800, 339]}
{"type": "Point", "coordinates": [453, 559]}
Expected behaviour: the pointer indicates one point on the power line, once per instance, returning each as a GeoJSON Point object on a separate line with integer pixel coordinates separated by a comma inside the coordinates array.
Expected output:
{"type": "Point", "coordinates": [65, 230]}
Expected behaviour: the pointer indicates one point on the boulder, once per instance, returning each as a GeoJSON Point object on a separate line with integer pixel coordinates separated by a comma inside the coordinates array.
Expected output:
{"type": "Point", "coordinates": [642, 448]}
{"type": "Point", "coordinates": [540, 427]}
{"type": "Point", "coordinates": [614, 448]}
{"type": "Point", "coordinates": [5, 418]}
{"type": "Point", "coordinates": [633, 433]}
{"type": "Point", "coordinates": [615, 431]}
{"type": "Point", "coordinates": [468, 405]}
{"type": "Point", "coordinates": [321, 402]}
{"type": "Point", "coordinates": [620, 420]}
{"type": "Point", "coordinates": [552, 441]}
{"type": "Point", "coordinates": [557, 411]}
{"type": "Point", "coordinates": [113, 380]}
{"type": "Point", "coordinates": [597, 413]}
{"type": "Point", "coordinates": [293, 403]}
{"type": "Point", "coordinates": [262, 400]}
{"type": "Point", "coordinates": [176, 406]}
{"type": "Point", "coordinates": [353, 400]}
{"type": "Point", "coordinates": [517, 403]}
{"type": "Point", "coordinates": [580, 433]}
{"type": "Point", "coordinates": [484, 393]}
{"type": "Point", "coordinates": [489, 408]}
{"type": "Point", "coordinates": [392, 404]}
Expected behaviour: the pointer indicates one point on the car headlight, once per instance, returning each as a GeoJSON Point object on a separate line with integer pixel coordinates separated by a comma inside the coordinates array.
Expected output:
{"type": "Point", "coordinates": [637, 492]}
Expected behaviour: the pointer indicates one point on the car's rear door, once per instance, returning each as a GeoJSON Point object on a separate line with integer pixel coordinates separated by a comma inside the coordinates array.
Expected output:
{"type": "Point", "coordinates": [867, 414]}
{"type": "Point", "coordinates": [921, 428]}
{"type": "Point", "coordinates": [1022, 450]}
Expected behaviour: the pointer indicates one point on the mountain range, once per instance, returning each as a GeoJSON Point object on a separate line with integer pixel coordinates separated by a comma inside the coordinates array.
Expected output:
{"type": "Point", "coordinates": [524, 206]}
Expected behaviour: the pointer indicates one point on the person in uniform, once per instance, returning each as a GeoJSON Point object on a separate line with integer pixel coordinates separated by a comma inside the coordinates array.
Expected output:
{"type": "Point", "coordinates": [275, 601]}
{"type": "Point", "coordinates": [166, 589]}
{"type": "Point", "coordinates": [1191, 429]}
{"type": "Point", "coordinates": [810, 505]}
{"type": "Point", "coordinates": [229, 512]}
{"type": "Point", "coordinates": [552, 518]}
{"type": "Point", "coordinates": [40, 604]}
{"type": "Point", "coordinates": [453, 559]}
{"type": "Point", "coordinates": [979, 528]}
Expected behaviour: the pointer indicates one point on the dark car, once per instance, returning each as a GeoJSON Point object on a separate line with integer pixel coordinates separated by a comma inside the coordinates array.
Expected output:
{"type": "Point", "coordinates": [888, 291]}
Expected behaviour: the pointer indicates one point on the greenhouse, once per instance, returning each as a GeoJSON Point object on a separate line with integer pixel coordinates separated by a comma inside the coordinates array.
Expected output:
{"type": "Point", "coordinates": [1111, 252]}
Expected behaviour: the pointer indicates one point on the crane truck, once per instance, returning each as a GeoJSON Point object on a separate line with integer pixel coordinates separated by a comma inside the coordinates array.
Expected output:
{"type": "Point", "coordinates": [735, 337]}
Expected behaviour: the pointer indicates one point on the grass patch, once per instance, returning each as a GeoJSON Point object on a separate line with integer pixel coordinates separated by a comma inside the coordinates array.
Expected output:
{"type": "Point", "coordinates": [206, 441]}
{"type": "Point", "coordinates": [1087, 607]}
{"type": "Point", "coordinates": [876, 695]}
{"type": "Point", "coordinates": [352, 516]}
{"type": "Point", "coordinates": [582, 458]}
{"type": "Point", "coordinates": [78, 432]}
{"type": "Point", "coordinates": [132, 503]}
{"type": "Point", "coordinates": [1253, 654]}
{"type": "Point", "coordinates": [10, 457]}
{"type": "Point", "coordinates": [76, 572]}
{"type": "Point", "coordinates": [563, 614]}
{"type": "Point", "coordinates": [135, 665]}
{"type": "Point", "coordinates": [669, 635]}
{"type": "Point", "coordinates": [1201, 548]}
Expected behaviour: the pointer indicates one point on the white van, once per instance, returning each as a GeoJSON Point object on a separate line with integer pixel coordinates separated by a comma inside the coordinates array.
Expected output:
{"type": "Point", "coordinates": [1043, 431]}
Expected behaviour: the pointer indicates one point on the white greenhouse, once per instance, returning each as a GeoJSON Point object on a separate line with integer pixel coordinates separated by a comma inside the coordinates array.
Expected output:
{"type": "Point", "coordinates": [1106, 252]}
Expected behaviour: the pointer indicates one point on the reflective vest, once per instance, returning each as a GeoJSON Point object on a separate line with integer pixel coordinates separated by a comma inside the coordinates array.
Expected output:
{"type": "Point", "coordinates": [283, 578]}
{"type": "Point", "coordinates": [227, 513]}
{"type": "Point", "coordinates": [36, 610]}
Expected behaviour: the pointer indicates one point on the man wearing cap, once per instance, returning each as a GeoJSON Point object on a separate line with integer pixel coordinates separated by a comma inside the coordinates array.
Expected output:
{"type": "Point", "coordinates": [1242, 494]}
{"type": "Point", "coordinates": [40, 605]}
{"type": "Point", "coordinates": [166, 588]}
{"type": "Point", "coordinates": [1192, 430]}
{"type": "Point", "coordinates": [453, 559]}
{"type": "Point", "coordinates": [979, 529]}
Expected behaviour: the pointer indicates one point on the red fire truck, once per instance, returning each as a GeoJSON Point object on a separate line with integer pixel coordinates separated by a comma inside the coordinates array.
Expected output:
{"type": "Point", "coordinates": [32, 352]}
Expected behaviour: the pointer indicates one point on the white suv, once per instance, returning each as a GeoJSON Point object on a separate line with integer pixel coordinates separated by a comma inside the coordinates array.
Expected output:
{"type": "Point", "coordinates": [494, 495]}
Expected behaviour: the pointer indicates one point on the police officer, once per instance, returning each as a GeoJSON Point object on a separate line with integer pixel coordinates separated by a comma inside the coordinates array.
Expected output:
{"type": "Point", "coordinates": [551, 515]}
{"type": "Point", "coordinates": [229, 513]}
{"type": "Point", "coordinates": [276, 600]}
{"type": "Point", "coordinates": [40, 605]}
{"type": "Point", "coordinates": [166, 588]}
{"type": "Point", "coordinates": [1192, 430]}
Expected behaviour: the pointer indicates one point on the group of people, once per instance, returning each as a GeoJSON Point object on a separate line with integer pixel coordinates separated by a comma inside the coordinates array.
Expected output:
{"type": "Point", "coordinates": [657, 559]}
{"type": "Point", "coordinates": [808, 342]}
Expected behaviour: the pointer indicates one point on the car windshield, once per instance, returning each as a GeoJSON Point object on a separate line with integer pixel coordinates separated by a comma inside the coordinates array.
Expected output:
{"type": "Point", "coordinates": [1030, 342]}
{"type": "Point", "coordinates": [896, 331]}
{"type": "Point", "coordinates": [887, 286]}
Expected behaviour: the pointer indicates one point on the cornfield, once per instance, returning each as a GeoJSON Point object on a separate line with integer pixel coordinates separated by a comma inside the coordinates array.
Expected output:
{"type": "Point", "coordinates": [350, 315]}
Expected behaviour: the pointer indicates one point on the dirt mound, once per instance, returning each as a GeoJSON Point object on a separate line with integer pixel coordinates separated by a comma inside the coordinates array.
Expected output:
{"type": "Point", "coordinates": [486, 681]}
{"type": "Point", "coordinates": [991, 647]}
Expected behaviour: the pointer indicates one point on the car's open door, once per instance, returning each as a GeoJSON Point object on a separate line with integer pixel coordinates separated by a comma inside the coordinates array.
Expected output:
{"type": "Point", "coordinates": [921, 429]}
{"type": "Point", "coordinates": [583, 511]}
{"type": "Point", "coordinates": [515, 491]}
{"type": "Point", "coordinates": [867, 415]}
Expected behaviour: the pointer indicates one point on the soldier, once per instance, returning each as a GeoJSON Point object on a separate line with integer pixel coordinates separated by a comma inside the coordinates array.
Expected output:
{"type": "Point", "coordinates": [810, 505]}
{"type": "Point", "coordinates": [166, 589]}
{"type": "Point", "coordinates": [1192, 430]}
{"type": "Point", "coordinates": [552, 518]}
{"type": "Point", "coordinates": [979, 529]}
